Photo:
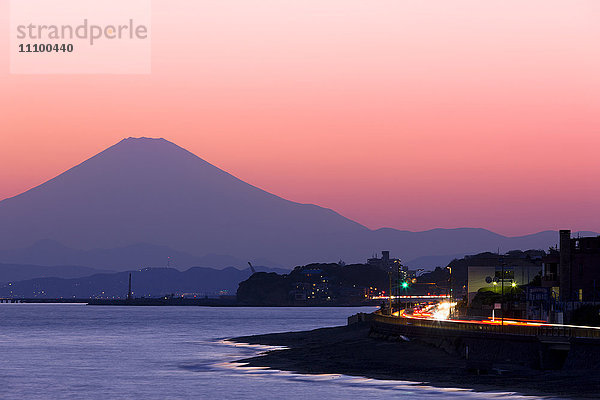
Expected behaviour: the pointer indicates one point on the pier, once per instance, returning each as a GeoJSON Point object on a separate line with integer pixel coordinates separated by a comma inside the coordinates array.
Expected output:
{"type": "Point", "coordinates": [11, 301]}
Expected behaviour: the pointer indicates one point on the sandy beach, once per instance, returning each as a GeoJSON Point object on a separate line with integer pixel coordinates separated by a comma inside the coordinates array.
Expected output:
{"type": "Point", "coordinates": [350, 350]}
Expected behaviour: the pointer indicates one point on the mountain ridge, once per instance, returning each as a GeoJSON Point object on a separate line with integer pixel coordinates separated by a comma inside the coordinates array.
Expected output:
{"type": "Point", "coordinates": [52, 253]}
{"type": "Point", "coordinates": [149, 282]}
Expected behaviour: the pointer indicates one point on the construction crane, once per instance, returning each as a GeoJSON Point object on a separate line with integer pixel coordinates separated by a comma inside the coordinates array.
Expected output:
{"type": "Point", "coordinates": [251, 268]}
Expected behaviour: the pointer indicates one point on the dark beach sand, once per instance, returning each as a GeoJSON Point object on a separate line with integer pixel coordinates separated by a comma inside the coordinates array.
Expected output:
{"type": "Point", "coordinates": [349, 350]}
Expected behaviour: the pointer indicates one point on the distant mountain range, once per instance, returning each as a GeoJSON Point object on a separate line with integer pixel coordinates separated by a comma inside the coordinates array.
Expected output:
{"type": "Point", "coordinates": [20, 272]}
{"type": "Point", "coordinates": [144, 200]}
{"type": "Point", "coordinates": [147, 282]}
{"type": "Point", "coordinates": [50, 252]}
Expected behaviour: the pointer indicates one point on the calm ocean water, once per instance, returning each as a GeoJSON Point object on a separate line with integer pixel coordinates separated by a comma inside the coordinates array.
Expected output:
{"type": "Point", "coordinates": [59, 351]}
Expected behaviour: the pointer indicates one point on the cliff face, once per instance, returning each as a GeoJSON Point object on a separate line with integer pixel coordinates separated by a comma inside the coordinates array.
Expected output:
{"type": "Point", "coordinates": [265, 289]}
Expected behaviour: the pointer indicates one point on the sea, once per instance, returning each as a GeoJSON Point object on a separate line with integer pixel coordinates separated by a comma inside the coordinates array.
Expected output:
{"type": "Point", "coordinates": [75, 351]}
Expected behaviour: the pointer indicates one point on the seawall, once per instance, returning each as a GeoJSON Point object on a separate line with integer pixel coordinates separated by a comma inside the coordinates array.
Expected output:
{"type": "Point", "coordinates": [487, 350]}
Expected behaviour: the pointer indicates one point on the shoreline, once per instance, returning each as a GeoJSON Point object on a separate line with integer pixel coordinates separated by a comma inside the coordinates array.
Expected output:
{"type": "Point", "coordinates": [349, 350]}
{"type": "Point", "coordinates": [172, 302]}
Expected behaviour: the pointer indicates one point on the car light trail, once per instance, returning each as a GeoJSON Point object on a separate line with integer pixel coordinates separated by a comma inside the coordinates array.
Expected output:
{"type": "Point", "coordinates": [428, 296]}
{"type": "Point", "coordinates": [431, 313]}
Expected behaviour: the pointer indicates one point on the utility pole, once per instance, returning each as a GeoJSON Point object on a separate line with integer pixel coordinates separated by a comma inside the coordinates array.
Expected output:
{"type": "Point", "coordinates": [450, 288]}
{"type": "Point", "coordinates": [451, 295]}
{"type": "Point", "coordinates": [390, 276]}
{"type": "Point", "coordinates": [502, 298]}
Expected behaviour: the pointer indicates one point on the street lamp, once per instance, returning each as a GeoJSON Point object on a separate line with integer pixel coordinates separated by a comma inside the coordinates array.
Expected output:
{"type": "Point", "coordinates": [502, 298]}
{"type": "Point", "coordinates": [390, 303]}
{"type": "Point", "coordinates": [451, 294]}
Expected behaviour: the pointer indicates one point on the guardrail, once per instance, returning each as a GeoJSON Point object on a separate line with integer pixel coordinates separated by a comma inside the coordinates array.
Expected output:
{"type": "Point", "coordinates": [507, 329]}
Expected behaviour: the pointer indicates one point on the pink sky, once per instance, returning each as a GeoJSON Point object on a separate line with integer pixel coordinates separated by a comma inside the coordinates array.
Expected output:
{"type": "Point", "coordinates": [407, 114]}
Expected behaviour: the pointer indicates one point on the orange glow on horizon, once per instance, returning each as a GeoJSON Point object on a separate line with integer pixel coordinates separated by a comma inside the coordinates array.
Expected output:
{"type": "Point", "coordinates": [412, 115]}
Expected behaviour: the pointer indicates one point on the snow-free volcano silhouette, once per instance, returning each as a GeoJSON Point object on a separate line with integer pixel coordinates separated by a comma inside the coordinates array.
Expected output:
{"type": "Point", "coordinates": [152, 191]}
